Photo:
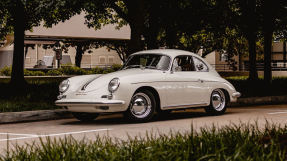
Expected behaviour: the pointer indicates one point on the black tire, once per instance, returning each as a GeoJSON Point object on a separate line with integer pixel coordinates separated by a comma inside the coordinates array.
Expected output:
{"type": "Point", "coordinates": [142, 107]}
{"type": "Point", "coordinates": [86, 117]}
{"type": "Point", "coordinates": [218, 103]}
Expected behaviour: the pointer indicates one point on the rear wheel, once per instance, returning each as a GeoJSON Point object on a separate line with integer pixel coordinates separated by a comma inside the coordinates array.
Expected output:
{"type": "Point", "coordinates": [218, 103]}
{"type": "Point", "coordinates": [85, 116]}
{"type": "Point", "coordinates": [142, 107]}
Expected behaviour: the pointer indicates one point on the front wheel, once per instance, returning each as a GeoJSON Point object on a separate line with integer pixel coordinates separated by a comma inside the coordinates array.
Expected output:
{"type": "Point", "coordinates": [86, 117]}
{"type": "Point", "coordinates": [142, 107]}
{"type": "Point", "coordinates": [217, 103]}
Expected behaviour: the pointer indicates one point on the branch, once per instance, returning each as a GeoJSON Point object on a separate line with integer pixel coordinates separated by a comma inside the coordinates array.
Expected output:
{"type": "Point", "coordinates": [119, 10]}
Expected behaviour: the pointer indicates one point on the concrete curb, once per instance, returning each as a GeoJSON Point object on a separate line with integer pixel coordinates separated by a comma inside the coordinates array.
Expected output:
{"type": "Point", "coordinates": [28, 116]}
{"type": "Point", "coordinates": [251, 101]}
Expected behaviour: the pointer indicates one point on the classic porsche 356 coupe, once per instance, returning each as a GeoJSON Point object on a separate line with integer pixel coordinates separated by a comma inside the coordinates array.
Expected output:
{"type": "Point", "coordinates": [150, 81]}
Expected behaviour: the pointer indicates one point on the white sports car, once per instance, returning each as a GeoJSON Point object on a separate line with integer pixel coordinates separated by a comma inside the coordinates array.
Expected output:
{"type": "Point", "coordinates": [150, 81]}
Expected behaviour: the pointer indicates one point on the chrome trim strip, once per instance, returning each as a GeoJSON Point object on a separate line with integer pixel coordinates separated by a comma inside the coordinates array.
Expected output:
{"type": "Point", "coordinates": [86, 84]}
{"type": "Point", "coordinates": [236, 94]}
{"type": "Point", "coordinates": [185, 105]}
{"type": "Point", "coordinates": [171, 81]}
{"type": "Point", "coordinates": [89, 103]}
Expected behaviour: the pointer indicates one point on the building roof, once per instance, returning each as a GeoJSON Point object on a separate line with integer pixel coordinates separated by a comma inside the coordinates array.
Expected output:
{"type": "Point", "coordinates": [75, 28]}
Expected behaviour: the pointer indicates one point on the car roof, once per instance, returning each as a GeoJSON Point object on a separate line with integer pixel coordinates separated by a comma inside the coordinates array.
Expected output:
{"type": "Point", "coordinates": [175, 52]}
{"type": "Point", "coordinates": [171, 52]}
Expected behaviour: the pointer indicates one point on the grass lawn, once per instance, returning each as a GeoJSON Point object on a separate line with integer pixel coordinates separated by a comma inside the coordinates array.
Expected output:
{"type": "Point", "coordinates": [231, 142]}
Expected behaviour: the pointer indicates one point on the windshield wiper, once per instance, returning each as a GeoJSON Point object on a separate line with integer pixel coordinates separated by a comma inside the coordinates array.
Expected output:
{"type": "Point", "coordinates": [131, 66]}
{"type": "Point", "coordinates": [150, 67]}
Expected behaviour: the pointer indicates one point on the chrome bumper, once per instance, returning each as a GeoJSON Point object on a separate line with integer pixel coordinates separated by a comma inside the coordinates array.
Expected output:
{"type": "Point", "coordinates": [88, 102]}
{"type": "Point", "coordinates": [236, 94]}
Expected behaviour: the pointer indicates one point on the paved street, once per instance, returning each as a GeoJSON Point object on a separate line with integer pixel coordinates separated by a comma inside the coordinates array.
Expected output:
{"type": "Point", "coordinates": [116, 125]}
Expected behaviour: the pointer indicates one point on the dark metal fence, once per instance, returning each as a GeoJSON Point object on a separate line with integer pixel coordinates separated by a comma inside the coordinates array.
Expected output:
{"type": "Point", "coordinates": [245, 67]}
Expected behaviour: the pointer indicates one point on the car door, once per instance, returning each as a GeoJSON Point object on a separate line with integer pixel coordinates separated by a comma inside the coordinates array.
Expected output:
{"type": "Point", "coordinates": [184, 86]}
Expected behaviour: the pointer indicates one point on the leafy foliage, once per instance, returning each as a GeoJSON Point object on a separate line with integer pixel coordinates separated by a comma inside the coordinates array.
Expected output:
{"type": "Point", "coordinates": [54, 72]}
{"type": "Point", "coordinates": [70, 69]}
{"type": "Point", "coordinates": [116, 67]}
{"type": "Point", "coordinates": [6, 71]}
{"type": "Point", "coordinates": [67, 69]}
{"type": "Point", "coordinates": [40, 95]}
{"type": "Point", "coordinates": [247, 89]}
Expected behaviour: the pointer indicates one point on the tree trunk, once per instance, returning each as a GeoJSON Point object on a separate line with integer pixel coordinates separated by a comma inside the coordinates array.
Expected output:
{"type": "Point", "coordinates": [253, 75]}
{"type": "Point", "coordinates": [79, 55]}
{"type": "Point", "coordinates": [268, 23]}
{"type": "Point", "coordinates": [17, 77]}
{"type": "Point", "coordinates": [267, 57]}
{"type": "Point", "coordinates": [136, 24]}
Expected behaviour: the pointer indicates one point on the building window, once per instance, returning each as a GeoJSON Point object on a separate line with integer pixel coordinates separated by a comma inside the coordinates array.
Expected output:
{"type": "Point", "coordinates": [111, 59]}
{"type": "Point", "coordinates": [223, 55]}
{"type": "Point", "coordinates": [28, 60]}
{"type": "Point", "coordinates": [102, 60]}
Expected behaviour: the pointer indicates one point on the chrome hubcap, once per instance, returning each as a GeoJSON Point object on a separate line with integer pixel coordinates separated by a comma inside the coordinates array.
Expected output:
{"type": "Point", "coordinates": [218, 100]}
{"type": "Point", "coordinates": [140, 105]}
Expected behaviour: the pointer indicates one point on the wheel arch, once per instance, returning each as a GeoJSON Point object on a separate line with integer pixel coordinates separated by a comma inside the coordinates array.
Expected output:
{"type": "Point", "coordinates": [226, 93]}
{"type": "Point", "coordinates": [153, 91]}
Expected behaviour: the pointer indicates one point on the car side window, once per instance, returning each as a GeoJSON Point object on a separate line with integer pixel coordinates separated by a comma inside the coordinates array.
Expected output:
{"type": "Point", "coordinates": [200, 65]}
{"type": "Point", "coordinates": [183, 63]}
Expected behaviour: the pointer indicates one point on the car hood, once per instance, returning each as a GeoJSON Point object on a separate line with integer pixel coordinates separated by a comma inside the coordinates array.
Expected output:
{"type": "Point", "coordinates": [104, 79]}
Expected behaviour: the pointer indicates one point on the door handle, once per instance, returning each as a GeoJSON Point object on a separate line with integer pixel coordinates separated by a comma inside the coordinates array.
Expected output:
{"type": "Point", "coordinates": [200, 81]}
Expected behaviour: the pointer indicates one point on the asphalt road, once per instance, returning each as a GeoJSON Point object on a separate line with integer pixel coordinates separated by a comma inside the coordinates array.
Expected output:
{"type": "Point", "coordinates": [117, 126]}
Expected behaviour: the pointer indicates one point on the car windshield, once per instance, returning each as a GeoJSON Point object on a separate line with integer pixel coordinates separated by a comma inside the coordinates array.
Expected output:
{"type": "Point", "coordinates": [150, 61]}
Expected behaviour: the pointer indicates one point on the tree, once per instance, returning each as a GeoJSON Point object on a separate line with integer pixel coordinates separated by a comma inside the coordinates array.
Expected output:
{"type": "Point", "coordinates": [243, 16]}
{"type": "Point", "coordinates": [274, 15]}
{"type": "Point", "coordinates": [17, 16]}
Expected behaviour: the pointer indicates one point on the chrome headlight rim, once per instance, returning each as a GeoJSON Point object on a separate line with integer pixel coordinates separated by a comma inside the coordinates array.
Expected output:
{"type": "Point", "coordinates": [65, 88]}
{"type": "Point", "coordinates": [112, 88]}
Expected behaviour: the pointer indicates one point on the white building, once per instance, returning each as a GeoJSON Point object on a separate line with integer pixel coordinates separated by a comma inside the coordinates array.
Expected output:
{"type": "Point", "coordinates": [73, 29]}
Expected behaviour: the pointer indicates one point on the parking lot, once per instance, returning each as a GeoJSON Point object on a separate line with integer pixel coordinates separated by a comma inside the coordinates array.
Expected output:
{"type": "Point", "coordinates": [117, 126]}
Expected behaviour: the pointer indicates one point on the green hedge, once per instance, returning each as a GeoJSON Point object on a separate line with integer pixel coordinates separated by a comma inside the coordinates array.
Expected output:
{"type": "Point", "coordinates": [276, 88]}
{"type": "Point", "coordinates": [66, 69]}
{"type": "Point", "coordinates": [39, 95]}
{"type": "Point", "coordinates": [230, 142]}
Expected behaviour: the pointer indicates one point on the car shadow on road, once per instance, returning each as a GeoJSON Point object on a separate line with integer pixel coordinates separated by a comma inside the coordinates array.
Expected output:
{"type": "Point", "coordinates": [116, 119]}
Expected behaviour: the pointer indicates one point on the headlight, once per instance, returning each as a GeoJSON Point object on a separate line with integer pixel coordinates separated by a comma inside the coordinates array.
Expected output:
{"type": "Point", "coordinates": [114, 85]}
{"type": "Point", "coordinates": [64, 86]}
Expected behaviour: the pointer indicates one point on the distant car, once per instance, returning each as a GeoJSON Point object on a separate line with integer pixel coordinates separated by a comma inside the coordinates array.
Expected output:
{"type": "Point", "coordinates": [150, 81]}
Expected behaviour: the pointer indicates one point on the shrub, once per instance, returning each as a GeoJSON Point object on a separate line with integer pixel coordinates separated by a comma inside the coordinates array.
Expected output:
{"type": "Point", "coordinates": [108, 71]}
{"type": "Point", "coordinates": [54, 72]}
{"type": "Point", "coordinates": [89, 72]}
{"type": "Point", "coordinates": [38, 73]}
{"type": "Point", "coordinates": [27, 72]}
{"type": "Point", "coordinates": [116, 67]}
{"type": "Point", "coordinates": [70, 69]}
{"type": "Point", "coordinates": [6, 71]}
{"type": "Point", "coordinates": [97, 70]}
